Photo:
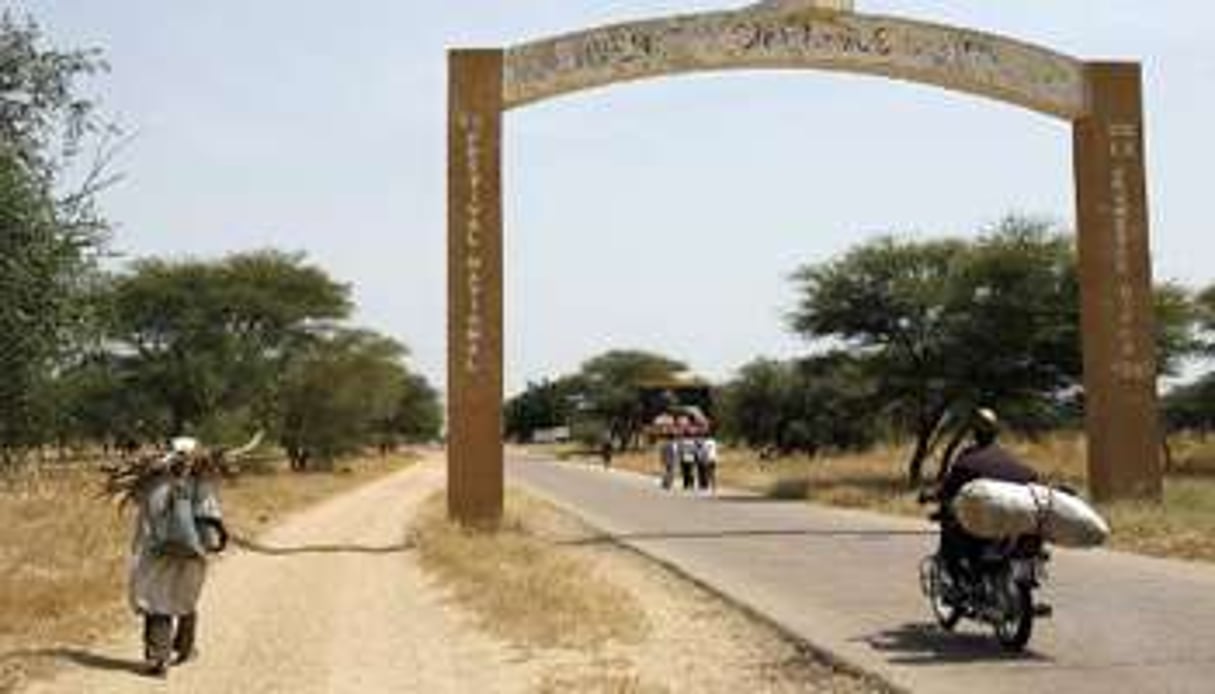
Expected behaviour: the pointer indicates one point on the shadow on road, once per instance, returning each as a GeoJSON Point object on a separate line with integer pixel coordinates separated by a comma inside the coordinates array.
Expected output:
{"type": "Point", "coordinates": [750, 498]}
{"type": "Point", "coordinates": [78, 656]}
{"type": "Point", "coordinates": [259, 548]}
{"type": "Point", "coordinates": [608, 538]}
{"type": "Point", "coordinates": [927, 644]}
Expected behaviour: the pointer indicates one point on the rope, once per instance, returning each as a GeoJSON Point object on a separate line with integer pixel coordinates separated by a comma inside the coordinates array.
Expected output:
{"type": "Point", "coordinates": [1042, 510]}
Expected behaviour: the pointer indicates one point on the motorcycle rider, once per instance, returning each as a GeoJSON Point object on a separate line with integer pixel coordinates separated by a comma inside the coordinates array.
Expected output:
{"type": "Point", "coordinates": [983, 459]}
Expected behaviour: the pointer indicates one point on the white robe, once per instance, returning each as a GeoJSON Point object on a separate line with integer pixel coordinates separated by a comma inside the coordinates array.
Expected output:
{"type": "Point", "coordinates": [167, 585]}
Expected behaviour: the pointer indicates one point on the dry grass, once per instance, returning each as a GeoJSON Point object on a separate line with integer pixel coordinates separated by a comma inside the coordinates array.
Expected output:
{"type": "Point", "coordinates": [1182, 527]}
{"type": "Point", "coordinates": [64, 550]}
{"type": "Point", "coordinates": [521, 586]}
{"type": "Point", "coordinates": [592, 618]}
{"type": "Point", "coordinates": [62, 556]}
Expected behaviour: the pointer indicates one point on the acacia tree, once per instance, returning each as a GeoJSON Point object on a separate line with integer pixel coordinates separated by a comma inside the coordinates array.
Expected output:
{"type": "Point", "coordinates": [753, 405]}
{"type": "Point", "coordinates": [31, 255]}
{"type": "Point", "coordinates": [206, 339]}
{"type": "Point", "coordinates": [604, 396]}
{"type": "Point", "coordinates": [1192, 406]}
{"type": "Point", "coordinates": [835, 393]}
{"type": "Point", "coordinates": [100, 402]}
{"type": "Point", "coordinates": [949, 324]}
{"type": "Point", "coordinates": [337, 392]}
{"type": "Point", "coordinates": [886, 300]}
{"type": "Point", "coordinates": [48, 235]}
{"type": "Point", "coordinates": [543, 405]}
{"type": "Point", "coordinates": [611, 385]}
{"type": "Point", "coordinates": [417, 415]}
{"type": "Point", "coordinates": [1178, 323]}
{"type": "Point", "coordinates": [817, 403]}
{"type": "Point", "coordinates": [1205, 315]}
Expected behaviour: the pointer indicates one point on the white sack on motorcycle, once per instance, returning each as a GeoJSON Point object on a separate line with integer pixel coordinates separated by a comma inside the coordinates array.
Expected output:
{"type": "Point", "coordinates": [993, 510]}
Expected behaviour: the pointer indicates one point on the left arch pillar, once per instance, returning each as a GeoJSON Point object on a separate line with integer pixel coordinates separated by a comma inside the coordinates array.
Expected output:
{"type": "Point", "coordinates": [474, 286]}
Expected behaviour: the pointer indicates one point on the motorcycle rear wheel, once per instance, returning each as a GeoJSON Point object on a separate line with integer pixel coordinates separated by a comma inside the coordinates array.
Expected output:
{"type": "Point", "coordinates": [1014, 630]}
{"type": "Point", "coordinates": [948, 615]}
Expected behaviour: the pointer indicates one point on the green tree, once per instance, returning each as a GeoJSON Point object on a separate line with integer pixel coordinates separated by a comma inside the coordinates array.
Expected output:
{"type": "Point", "coordinates": [543, 405]}
{"type": "Point", "coordinates": [949, 324]}
{"type": "Point", "coordinates": [886, 299]}
{"type": "Point", "coordinates": [208, 339]}
{"type": "Point", "coordinates": [836, 391]}
{"type": "Point", "coordinates": [1204, 305]}
{"type": "Point", "coordinates": [45, 122]}
{"type": "Point", "coordinates": [753, 405]}
{"type": "Point", "coordinates": [1178, 321]}
{"type": "Point", "coordinates": [418, 415]}
{"type": "Point", "coordinates": [611, 388]}
{"type": "Point", "coordinates": [818, 403]}
{"type": "Point", "coordinates": [48, 237]}
{"type": "Point", "coordinates": [1191, 407]}
{"type": "Point", "coordinates": [337, 393]}
{"type": "Point", "coordinates": [32, 295]}
{"type": "Point", "coordinates": [87, 399]}
{"type": "Point", "coordinates": [94, 399]}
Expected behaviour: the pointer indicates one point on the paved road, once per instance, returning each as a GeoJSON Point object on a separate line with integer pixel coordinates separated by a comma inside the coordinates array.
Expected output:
{"type": "Point", "coordinates": [846, 581]}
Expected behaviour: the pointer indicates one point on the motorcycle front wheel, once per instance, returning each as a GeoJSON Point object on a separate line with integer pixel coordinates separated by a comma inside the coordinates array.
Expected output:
{"type": "Point", "coordinates": [1016, 623]}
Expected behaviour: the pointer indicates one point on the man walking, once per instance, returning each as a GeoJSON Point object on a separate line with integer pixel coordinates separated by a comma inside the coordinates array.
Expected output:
{"type": "Point", "coordinates": [178, 522]}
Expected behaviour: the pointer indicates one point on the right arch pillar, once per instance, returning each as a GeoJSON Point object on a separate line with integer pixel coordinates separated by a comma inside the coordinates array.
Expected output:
{"type": "Point", "coordinates": [1121, 416]}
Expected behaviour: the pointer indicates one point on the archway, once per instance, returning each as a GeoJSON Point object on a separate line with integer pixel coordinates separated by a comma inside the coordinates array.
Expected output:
{"type": "Point", "coordinates": [1102, 101]}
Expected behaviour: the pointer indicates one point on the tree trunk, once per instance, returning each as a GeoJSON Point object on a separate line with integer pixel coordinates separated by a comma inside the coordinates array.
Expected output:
{"type": "Point", "coordinates": [950, 450]}
{"type": "Point", "coordinates": [923, 446]}
{"type": "Point", "coordinates": [915, 469]}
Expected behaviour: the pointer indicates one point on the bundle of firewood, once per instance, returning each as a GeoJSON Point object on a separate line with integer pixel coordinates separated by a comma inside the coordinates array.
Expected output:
{"type": "Point", "coordinates": [127, 478]}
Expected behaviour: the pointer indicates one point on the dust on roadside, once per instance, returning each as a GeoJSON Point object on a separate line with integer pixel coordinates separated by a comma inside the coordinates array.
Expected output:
{"type": "Point", "coordinates": [687, 639]}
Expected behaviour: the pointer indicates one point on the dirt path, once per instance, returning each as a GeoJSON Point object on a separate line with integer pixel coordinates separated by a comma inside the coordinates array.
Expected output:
{"type": "Point", "coordinates": [338, 605]}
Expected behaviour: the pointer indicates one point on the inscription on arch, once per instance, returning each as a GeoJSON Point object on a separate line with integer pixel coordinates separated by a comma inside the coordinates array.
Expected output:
{"type": "Point", "coordinates": [958, 59]}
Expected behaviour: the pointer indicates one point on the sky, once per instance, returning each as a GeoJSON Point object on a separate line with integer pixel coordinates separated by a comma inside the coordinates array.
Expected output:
{"type": "Point", "coordinates": [664, 215]}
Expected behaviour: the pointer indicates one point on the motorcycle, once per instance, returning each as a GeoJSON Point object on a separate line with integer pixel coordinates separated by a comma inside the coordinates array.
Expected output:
{"type": "Point", "coordinates": [996, 587]}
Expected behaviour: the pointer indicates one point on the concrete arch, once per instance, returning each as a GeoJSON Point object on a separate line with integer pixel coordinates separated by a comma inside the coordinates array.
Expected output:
{"type": "Point", "coordinates": [1103, 101]}
{"type": "Point", "coordinates": [957, 59]}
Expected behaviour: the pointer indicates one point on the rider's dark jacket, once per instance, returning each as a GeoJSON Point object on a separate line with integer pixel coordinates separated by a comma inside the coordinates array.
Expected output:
{"type": "Point", "coordinates": [984, 462]}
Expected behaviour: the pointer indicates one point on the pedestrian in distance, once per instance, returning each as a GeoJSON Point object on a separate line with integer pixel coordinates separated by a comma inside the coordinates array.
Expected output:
{"type": "Point", "coordinates": [687, 461]}
{"type": "Point", "coordinates": [668, 454]}
{"type": "Point", "coordinates": [605, 450]}
{"type": "Point", "coordinates": [701, 466]}
{"type": "Point", "coordinates": [708, 453]}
